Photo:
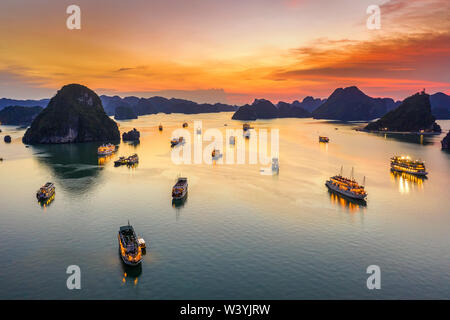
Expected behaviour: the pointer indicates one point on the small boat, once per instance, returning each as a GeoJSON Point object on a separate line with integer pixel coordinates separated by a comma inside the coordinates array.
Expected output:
{"type": "Point", "coordinates": [199, 130]}
{"type": "Point", "coordinates": [275, 165]}
{"type": "Point", "coordinates": [246, 127]}
{"type": "Point", "coordinates": [160, 127]}
{"type": "Point", "coordinates": [174, 142]}
{"type": "Point", "coordinates": [232, 140]}
{"type": "Point", "coordinates": [216, 154]}
{"type": "Point", "coordinates": [106, 149]}
{"type": "Point", "coordinates": [324, 139]}
{"type": "Point", "coordinates": [46, 192]}
{"type": "Point", "coordinates": [185, 124]}
{"type": "Point", "coordinates": [130, 161]}
{"type": "Point", "coordinates": [407, 165]}
{"type": "Point", "coordinates": [180, 189]}
{"type": "Point", "coordinates": [347, 187]}
{"type": "Point", "coordinates": [129, 247]}
{"type": "Point", "coordinates": [247, 134]}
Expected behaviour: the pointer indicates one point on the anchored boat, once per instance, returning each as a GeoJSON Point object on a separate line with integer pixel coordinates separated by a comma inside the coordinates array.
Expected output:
{"type": "Point", "coordinates": [324, 139]}
{"type": "Point", "coordinates": [275, 165]}
{"type": "Point", "coordinates": [129, 248]}
{"type": "Point", "coordinates": [185, 124]}
{"type": "Point", "coordinates": [175, 142]}
{"type": "Point", "coordinates": [130, 161]}
{"type": "Point", "coordinates": [406, 164]}
{"type": "Point", "coordinates": [216, 154]}
{"type": "Point", "coordinates": [180, 189]}
{"type": "Point", "coordinates": [46, 192]}
{"type": "Point", "coordinates": [347, 187]}
{"type": "Point", "coordinates": [160, 128]}
{"type": "Point", "coordinates": [106, 149]}
{"type": "Point", "coordinates": [232, 140]}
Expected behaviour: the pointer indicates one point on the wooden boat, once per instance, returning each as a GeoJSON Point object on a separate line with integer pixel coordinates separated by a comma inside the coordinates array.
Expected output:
{"type": "Point", "coordinates": [324, 139]}
{"type": "Point", "coordinates": [129, 248]}
{"type": "Point", "coordinates": [160, 127]}
{"type": "Point", "coordinates": [46, 192]}
{"type": "Point", "coordinates": [185, 124]}
{"type": "Point", "coordinates": [106, 149]}
{"type": "Point", "coordinates": [180, 189]}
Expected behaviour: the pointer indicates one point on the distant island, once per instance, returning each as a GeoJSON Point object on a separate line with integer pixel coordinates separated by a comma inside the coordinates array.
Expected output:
{"type": "Point", "coordinates": [264, 109]}
{"type": "Point", "coordinates": [351, 104]}
{"type": "Point", "coordinates": [125, 113]}
{"type": "Point", "coordinates": [19, 115]}
{"type": "Point", "coordinates": [74, 114]}
{"type": "Point", "coordinates": [413, 115]}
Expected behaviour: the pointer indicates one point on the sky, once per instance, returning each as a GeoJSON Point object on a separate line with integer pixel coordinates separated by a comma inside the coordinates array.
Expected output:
{"type": "Point", "coordinates": [229, 51]}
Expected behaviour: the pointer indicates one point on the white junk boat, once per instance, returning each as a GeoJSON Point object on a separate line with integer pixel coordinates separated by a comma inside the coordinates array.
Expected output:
{"type": "Point", "coordinates": [347, 187]}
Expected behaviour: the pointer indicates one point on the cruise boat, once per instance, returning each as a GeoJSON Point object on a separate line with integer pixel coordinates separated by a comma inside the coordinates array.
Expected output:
{"type": "Point", "coordinates": [323, 139]}
{"type": "Point", "coordinates": [160, 127]}
{"type": "Point", "coordinates": [129, 247]}
{"type": "Point", "coordinates": [174, 142]}
{"type": "Point", "coordinates": [407, 165]}
{"type": "Point", "coordinates": [232, 140]}
{"type": "Point", "coordinates": [46, 192]}
{"type": "Point", "coordinates": [180, 189]}
{"type": "Point", "coordinates": [347, 187]}
{"type": "Point", "coordinates": [130, 161]}
{"type": "Point", "coordinates": [106, 149]}
{"type": "Point", "coordinates": [216, 154]}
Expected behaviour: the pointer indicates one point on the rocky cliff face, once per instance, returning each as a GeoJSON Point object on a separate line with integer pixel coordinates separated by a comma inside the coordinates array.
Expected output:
{"type": "Point", "coordinates": [446, 142]}
{"type": "Point", "coordinates": [74, 114]}
{"type": "Point", "coordinates": [413, 115]}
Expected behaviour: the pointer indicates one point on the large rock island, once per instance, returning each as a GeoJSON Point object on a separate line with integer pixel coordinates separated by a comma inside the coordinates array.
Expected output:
{"type": "Point", "coordinates": [18, 115]}
{"type": "Point", "coordinates": [351, 104]}
{"type": "Point", "coordinates": [413, 115]}
{"type": "Point", "coordinates": [74, 114]}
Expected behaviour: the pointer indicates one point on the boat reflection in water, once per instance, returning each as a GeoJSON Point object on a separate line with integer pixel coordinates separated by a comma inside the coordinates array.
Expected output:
{"type": "Point", "coordinates": [351, 205]}
{"type": "Point", "coordinates": [179, 203]}
{"type": "Point", "coordinates": [130, 275]}
{"type": "Point", "coordinates": [46, 202]}
{"type": "Point", "coordinates": [407, 182]}
{"type": "Point", "coordinates": [102, 160]}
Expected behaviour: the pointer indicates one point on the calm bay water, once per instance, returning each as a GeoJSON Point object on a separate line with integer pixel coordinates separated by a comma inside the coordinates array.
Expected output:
{"type": "Point", "coordinates": [240, 234]}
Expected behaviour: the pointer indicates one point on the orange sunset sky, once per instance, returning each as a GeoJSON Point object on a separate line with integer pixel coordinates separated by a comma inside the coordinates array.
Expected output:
{"type": "Point", "coordinates": [224, 50]}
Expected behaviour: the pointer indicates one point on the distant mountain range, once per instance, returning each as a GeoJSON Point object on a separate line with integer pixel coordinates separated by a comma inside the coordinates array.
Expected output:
{"type": "Point", "coordinates": [264, 109]}
{"type": "Point", "coordinates": [19, 115]}
{"type": "Point", "coordinates": [346, 104]}
{"type": "Point", "coordinates": [143, 106]}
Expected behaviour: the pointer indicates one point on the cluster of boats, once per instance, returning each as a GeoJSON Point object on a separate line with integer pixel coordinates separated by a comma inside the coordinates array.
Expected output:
{"type": "Point", "coordinates": [351, 189]}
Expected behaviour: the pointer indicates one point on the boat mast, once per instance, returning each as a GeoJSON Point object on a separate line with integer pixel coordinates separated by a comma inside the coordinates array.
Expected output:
{"type": "Point", "coordinates": [364, 181]}
{"type": "Point", "coordinates": [342, 167]}
{"type": "Point", "coordinates": [352, 175]}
